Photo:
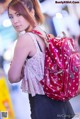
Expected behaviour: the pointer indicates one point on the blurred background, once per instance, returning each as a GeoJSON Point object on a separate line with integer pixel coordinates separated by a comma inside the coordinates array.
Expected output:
{"type": "Point", "coordinates": [58, 17]}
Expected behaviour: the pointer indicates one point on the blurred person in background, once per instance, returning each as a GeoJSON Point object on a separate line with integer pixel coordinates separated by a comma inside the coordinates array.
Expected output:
{"type": "Point", "coordinates": [26, 16]}
{"type": "Point", "coordinates": [1, 61]}
{"type": "Point", "coordinates": [79, 21]}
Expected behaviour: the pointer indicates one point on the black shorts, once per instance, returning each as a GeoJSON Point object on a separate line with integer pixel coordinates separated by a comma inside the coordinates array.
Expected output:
{"type": "Point", "coordinates": [43, 107]}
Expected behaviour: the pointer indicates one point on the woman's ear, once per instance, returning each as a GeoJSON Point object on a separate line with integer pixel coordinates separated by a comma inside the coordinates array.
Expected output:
{"type": "Point", "coordinates": [33, 12]}
{"type": "Point", "coordinates": [33, 17]}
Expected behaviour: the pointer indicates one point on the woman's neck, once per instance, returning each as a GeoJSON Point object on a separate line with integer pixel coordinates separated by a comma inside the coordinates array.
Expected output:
{"type": "Point", "coordinates": [22, 32]}
{"type": "Point", "coordinates": [29, 28]}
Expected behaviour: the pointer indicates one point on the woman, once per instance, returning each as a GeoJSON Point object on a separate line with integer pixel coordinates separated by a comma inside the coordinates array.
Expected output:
{"type": "Point", "coordinates": [29, 55]}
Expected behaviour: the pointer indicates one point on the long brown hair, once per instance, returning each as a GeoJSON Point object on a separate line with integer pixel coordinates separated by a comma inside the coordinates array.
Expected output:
{"type": "Point", "coordinates": [24, 7]}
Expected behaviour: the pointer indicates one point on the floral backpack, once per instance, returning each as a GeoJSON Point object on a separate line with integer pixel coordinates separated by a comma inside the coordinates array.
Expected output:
{"type": "Point", "coordinates": [62, 68]}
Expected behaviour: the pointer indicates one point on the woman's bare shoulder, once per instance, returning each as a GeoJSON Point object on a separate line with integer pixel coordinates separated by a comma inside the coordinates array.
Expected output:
{"type": "Point", "coordinates": [24, 40]}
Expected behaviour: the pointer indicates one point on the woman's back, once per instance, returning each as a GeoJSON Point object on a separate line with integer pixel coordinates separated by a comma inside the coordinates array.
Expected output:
{"type": "Point", "coordinates": [34, 68]}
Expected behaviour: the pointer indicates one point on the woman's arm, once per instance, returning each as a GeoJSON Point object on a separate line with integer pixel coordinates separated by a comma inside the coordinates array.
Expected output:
{"type": "Point", "coordinates": [22, 50]}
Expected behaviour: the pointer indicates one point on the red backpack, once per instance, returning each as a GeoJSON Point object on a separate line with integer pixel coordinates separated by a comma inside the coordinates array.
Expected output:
{"type": "Point", "coordinates": [62, 68]}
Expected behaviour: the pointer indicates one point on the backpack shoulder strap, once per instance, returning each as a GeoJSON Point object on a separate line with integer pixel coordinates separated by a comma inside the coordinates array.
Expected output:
{"type": "Point", "coordinates": [33, 36]}
{"type": "Point", "coordinates": [46, 39]}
